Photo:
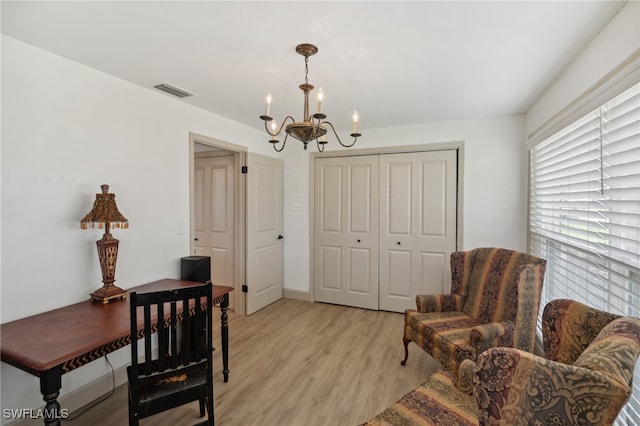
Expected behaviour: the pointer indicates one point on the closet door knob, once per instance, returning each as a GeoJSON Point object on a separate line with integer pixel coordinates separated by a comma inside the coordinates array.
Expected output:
{"type": "Point", "coordinates": [358, 240]}
{"type": "Point", "coordinates": [398, 242]}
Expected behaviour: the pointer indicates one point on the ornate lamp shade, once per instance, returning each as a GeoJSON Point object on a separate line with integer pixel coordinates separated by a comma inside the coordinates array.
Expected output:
{"type": "Point", "coordinates": [105, 213]}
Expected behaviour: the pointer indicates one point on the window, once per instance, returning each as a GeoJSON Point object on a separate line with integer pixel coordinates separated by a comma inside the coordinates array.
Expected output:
{"type": "Point", "coordinates": [584, 214]}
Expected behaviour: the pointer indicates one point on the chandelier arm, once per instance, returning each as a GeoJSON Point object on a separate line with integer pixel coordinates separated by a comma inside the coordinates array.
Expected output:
{"type": "Point", "coordinates": [284, 142]}
{"type": "Point", "coordinates": [281, 126]}
{"type": "Point", "coordinates": [355, 135]}
{"type": "Point", "coordinates": [266, 128]}
{"type": "Point", "coordinates": [320, 145]}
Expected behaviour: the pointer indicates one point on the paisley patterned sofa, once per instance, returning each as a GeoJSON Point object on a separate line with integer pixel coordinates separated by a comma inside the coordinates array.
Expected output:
{"type": "Point", "coordinates": [494, 301]}
{"type": "Point", "coordinates": [584, 379]}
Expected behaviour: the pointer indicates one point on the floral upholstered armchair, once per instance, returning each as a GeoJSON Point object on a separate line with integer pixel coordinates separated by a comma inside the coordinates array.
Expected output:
{"type": "Point", "coordinates": [494, 301]}
{"type": "Point", "coordinates": [584, 379]}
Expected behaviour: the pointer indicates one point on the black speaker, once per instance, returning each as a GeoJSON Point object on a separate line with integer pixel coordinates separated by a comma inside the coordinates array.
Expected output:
{"type": "Point", "coordinates": [195, 268]}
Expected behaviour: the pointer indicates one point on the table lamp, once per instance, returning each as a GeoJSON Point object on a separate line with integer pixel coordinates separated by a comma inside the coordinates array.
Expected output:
{"type": "Point", "coordinates": [105, 213]}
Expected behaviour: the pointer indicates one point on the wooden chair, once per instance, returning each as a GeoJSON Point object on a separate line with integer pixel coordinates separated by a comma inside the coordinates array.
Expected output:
{"type": "Point", "coordinates": [180, 370]}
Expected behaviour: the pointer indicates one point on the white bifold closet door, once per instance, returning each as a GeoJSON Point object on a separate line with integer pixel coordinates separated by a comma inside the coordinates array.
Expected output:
{"type": "Point", "coordinates": [385, 226]}
{"type": "Point", "coordinates": [418, 201]}
{"type": "Point", "coordinates": [346, 231]}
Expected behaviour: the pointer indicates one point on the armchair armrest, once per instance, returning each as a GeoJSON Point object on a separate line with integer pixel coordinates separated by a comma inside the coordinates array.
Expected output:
{"type": "Point", "coordinates": [465, 375]}
{"type": "Point", "coordinates": [491, 335]}
{"type": "Point", "coordinates": [516, 387]}
{"type": "Point", "coordinates": [439, 302]}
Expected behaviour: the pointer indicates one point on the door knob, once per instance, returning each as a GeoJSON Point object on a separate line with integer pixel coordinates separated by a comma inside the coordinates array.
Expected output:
{"type": "Point", "coordinates": [358, 240]}
{"type": "Point", "coordinates": [280, 237]}
{"type": "Point", "coordinates": [398, 242]}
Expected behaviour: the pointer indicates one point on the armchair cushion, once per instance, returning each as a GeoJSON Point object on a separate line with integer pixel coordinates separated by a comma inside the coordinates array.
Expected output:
{"type": "Point", "coordinates": [436, 402]}
{"type": "Point", "coordinates": [445, 335]}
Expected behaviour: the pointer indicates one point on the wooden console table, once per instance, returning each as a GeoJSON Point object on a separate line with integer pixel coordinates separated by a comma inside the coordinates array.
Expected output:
{"type": "Point", "coordinates": [54, 343]}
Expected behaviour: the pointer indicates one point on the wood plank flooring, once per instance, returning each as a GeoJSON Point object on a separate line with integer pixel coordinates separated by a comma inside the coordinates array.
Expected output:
{"type": "Point", "coordinates": [297, 363]}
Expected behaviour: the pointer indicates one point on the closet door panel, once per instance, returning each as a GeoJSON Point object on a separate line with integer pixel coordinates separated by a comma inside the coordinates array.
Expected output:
{"type": "Point", "coordinates": [330, 276]}
{"type": "Point", "coordinates": [331, 212]}
{"type": "Point", "coordinates": [359, 270]}
{"type": "Point", "coordinates": [433, 199]}
{"type": "Point", "coordinates": [398, 273]}
{"type": "Point", "coordinates": [433, 273]}
{"type": "Point", "coordinates": [359, 199]}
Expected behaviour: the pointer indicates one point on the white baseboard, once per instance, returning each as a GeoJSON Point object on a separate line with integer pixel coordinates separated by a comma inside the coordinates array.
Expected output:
{"type": "Point", "coordinates": [297, 295]}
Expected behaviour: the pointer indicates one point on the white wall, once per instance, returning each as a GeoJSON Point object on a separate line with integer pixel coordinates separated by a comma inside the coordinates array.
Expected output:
{"type": "Point", "coordinates": [494, 185]}
{"type": "Point", "coordinates": [67, 129]}
{"type": "Point", "coordinates": [591, 72]}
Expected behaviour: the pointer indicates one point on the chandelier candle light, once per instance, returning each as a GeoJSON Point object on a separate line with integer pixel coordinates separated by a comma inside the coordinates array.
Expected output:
{"type": "Point", "coordinates": [312, 126]}
{"type": "Point", "coordinates": [105, 213]}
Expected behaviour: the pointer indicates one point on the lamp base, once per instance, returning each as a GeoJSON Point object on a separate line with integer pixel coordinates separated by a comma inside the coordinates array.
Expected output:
{"type": "Point", "coordinates": [106, 293]}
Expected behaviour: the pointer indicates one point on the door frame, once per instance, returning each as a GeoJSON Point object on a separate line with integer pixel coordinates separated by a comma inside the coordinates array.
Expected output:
{"type": "Point", "coordinates": [455, 145]}
{"type": "Point", "coordinates": [240, 211]}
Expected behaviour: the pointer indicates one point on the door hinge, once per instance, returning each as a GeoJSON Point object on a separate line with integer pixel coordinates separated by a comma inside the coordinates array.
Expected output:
{"type": "Point", "coordinates": [244, 170]}
{"type": "Point", "coordinates": [245, 288]}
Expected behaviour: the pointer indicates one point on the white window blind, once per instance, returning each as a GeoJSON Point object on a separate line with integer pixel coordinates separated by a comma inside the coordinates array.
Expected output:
{"type": "Point", "coordinates": [584, 214]}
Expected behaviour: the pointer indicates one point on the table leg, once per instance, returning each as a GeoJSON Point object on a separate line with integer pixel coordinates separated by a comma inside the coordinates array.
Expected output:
{"type": "Point", "coordinates": [50, 384]}
{"type": "Point", "coordinates": [224, 332]}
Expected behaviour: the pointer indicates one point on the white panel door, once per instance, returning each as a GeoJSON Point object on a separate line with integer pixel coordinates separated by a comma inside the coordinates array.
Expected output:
{"type": "Point", "coordinates": [346, 231]}
{"type": "Point", "coordinates": [214, 218]}
{"type": "Point", "coordinates": [264, 231]}
{"type": "Point", "coordinates": [418, 199]}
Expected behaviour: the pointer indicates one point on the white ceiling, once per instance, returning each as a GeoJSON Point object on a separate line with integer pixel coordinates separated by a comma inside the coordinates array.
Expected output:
{"type": "Point", "coordinates": [397, 63]}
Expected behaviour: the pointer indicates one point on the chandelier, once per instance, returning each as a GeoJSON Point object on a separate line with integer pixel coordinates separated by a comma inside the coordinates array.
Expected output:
{"type": "Point", "coordinates": [312, 126]}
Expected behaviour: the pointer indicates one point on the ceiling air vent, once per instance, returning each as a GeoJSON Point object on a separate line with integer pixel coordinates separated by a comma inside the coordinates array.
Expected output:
{"type": "Point", "coordinates": [173, 90]}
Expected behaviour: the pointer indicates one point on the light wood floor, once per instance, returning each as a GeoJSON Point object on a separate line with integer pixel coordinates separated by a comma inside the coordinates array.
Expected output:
{"type": "Point", "coordinates": [297, 363]}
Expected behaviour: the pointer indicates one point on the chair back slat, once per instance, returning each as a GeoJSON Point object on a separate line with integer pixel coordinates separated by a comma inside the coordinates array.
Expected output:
{"type": "Point", "coordinates": [162, 339]}
{"type": "Point", "coordinates": [173, 325]}
{"type": "Point", "coordinates": [198, 319]}
{"type": "Point", "coordinates": [186, 335]}
{"type": "Point", "coordinates": [147, 339]}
